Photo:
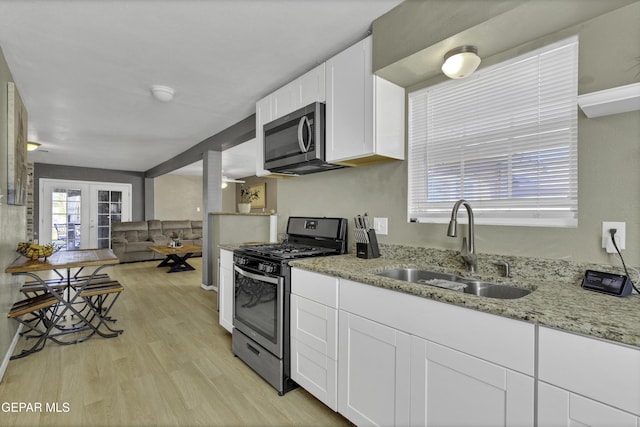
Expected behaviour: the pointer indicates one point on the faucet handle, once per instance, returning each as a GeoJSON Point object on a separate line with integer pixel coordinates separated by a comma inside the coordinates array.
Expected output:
{"type": "Point", "coordinates": [505, 265]}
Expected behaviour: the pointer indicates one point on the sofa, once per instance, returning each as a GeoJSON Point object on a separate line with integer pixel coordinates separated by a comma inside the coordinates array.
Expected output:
{"type": "Point", "coordinates": [130, 241]}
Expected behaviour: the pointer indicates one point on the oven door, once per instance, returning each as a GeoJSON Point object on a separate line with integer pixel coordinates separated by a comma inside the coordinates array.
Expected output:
{"type": "Point", "coordinates": [258, 308]}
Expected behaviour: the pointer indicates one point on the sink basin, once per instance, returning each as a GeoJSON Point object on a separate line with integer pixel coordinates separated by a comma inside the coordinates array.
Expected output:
{"type": "Point", "coordinates": [473, 287]}
{"type": "Point", "coordinates": [493, 290]}
{"type": "Point", "coordinates": [416, 276]}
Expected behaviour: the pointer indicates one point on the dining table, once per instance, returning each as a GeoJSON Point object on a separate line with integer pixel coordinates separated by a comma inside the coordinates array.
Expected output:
{"type": "Point", "coordinates": [69, 289]}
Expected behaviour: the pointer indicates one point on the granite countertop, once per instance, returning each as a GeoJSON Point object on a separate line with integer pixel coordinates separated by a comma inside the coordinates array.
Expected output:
{"type": "Point", "coordinates": [558, 300]}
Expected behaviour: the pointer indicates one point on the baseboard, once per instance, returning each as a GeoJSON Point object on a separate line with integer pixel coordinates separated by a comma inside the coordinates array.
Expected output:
{"type": "Point", "coordinates": [7, 357]}
{"type": "Point", "coordinates": [209, 287]}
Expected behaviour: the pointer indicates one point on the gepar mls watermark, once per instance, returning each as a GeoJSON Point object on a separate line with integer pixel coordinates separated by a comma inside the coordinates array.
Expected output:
{"type": "Point", "coordinates": [35, 407]}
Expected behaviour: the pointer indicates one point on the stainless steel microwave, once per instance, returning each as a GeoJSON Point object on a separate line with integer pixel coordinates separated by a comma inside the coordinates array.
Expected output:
{"type": "Point", "coordinates": [295, 144]}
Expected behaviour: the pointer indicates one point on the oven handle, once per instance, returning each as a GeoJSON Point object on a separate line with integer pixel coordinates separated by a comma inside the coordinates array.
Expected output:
{"type": "Point", "coordinates": [261, 278]}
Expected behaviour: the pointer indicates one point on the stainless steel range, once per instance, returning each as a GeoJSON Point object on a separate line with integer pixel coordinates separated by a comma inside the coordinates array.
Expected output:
{"type": "Point", "coordinates": [262, 284]}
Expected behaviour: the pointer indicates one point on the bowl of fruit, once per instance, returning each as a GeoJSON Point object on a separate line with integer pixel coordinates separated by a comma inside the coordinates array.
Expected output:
{"type": "Point", "coordinates": [35, 251]}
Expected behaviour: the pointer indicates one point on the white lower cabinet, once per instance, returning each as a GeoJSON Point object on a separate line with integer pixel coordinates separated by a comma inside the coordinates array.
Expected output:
{"type": "Point", "coordinates": [225, 290]}
{"type": "Point", "coordinates": [313, 347]}
{"type": "Point", "coordinates": [373, 372]}
{"type": "Point", "coordinates": [404, 360]}
{"type": "Point", "coordinates": [561, 408]}
{"type": "Point", "coordinates": [450, 388]}
{"type": "Point", "coordinates": [586, 381]}
{"type": "Point", "coordinates": [314, 334]}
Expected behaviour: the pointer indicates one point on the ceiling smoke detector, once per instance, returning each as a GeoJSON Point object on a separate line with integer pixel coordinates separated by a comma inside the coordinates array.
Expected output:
{"type": "Point", "coordinates": [162, 93]}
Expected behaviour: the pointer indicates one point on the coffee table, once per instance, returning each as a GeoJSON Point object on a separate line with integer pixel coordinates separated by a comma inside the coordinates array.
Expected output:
{"type": "Point", "coordinates": [176, 258]}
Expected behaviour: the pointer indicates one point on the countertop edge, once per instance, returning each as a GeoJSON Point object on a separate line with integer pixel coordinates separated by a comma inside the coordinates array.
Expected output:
{"type": "Point", "coordinates": [560, 305]}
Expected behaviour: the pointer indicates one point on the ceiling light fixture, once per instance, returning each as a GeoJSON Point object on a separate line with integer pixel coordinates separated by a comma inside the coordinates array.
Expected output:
{"type": "Point", "coordinates": [32, 146]}
{"type": "Point", "coordinates": [461, 62]}
{"type": "Point", "coordinates": [162, 93]}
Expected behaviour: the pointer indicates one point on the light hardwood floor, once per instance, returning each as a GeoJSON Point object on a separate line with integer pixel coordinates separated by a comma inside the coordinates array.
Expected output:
{"type": "Point", "coordinates": [173, 366]}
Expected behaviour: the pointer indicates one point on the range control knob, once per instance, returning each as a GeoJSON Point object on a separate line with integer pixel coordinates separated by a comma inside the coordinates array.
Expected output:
{"type": "Point", "coordinates": [240, 260]}
{"type": "Point", "coordinates": [267, 268]}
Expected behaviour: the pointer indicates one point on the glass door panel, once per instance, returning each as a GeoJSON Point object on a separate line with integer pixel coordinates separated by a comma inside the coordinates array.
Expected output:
{"type": "Point", "coordinates": [66, 218]}
{"type": "Point", "coordinates": [109, 211]}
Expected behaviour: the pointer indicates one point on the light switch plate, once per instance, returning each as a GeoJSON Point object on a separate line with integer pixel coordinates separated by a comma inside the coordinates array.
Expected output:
{"type": "Point", "coordinates": [381, 226]}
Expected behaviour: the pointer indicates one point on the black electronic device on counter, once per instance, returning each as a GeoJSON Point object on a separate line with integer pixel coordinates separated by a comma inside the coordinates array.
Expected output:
{"type": "Point", "coordinates": [607, 283]}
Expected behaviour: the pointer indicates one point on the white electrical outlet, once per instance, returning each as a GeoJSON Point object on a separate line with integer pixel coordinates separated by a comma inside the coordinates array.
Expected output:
{"type": "Point", "coordinates": [381, 226]}
{"type": "Point", "coordinates": [620, 236]}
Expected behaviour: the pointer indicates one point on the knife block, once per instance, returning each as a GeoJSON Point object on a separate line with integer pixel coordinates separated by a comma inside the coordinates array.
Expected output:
{"type": "Point", "coordinates": [370, 249]}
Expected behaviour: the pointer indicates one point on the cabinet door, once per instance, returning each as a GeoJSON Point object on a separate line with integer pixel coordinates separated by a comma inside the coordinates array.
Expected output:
{"type": "Point", "coordinates": [558, 407]}
{"type": "Point", "coordinates": [313, 349]}
{"type": "Point", "coordinates": [285, 100]}
{"type": "Point", "coordinates": [225, 289]}
{"type": "Point", "coordinates": [349, 112]}
{"type": "Point", "coordinates": [263, 116]}
{"type": "Point", "coordinates": [597, 369]}
{"type": "Point", "coordinates": [450, 388]}
{"type": "Point", "coordinates": [373, 372]}
{"type": "Point", "coordinates": [315, 325]}
{"type": "Point", "coordinates": [311, 86]}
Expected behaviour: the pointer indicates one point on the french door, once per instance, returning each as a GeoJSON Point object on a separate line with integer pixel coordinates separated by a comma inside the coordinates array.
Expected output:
{"type": "Point", "coordinates": [78, 214]}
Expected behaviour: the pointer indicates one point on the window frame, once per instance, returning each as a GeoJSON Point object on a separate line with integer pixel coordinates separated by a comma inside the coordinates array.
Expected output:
{"type": "Point", "coordinates": [555, 150]}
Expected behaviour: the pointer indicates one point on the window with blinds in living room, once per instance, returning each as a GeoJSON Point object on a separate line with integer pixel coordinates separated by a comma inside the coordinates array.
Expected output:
{"type": "Point", "coordinates": [504, 139]}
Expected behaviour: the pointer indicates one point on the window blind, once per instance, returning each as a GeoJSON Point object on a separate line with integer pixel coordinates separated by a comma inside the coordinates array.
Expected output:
{"type": "Point", "coordinates": [504, 139]}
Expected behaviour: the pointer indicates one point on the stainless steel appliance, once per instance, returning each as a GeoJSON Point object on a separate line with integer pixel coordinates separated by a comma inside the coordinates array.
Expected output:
{"type": "Point", "coordinates": [262, 287]}
{"type": "Point", "coordinates": [294, 144]}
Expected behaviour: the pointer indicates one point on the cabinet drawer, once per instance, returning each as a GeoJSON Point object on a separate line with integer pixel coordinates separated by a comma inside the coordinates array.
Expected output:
{"type": "Point", "coordinates": [314, 286]}
{"type": "Point", "coordinates": [315, 325]}
{"type": "Point", "coordinates": [315, 372]}
{"type": "Point", "coordinates": [600, 370]}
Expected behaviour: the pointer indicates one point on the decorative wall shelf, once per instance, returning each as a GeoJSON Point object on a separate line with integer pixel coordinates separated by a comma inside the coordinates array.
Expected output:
{"type": "Point", "coordinates": [616, 100]}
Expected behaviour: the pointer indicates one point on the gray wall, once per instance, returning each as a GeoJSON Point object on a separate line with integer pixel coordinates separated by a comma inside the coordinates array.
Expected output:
{"type": "Point", "coordinates": [136, 179]}
{"type": "Point", "coordinates": [608, 159]}
{"type": "Point", "coordinates": [13, 225]}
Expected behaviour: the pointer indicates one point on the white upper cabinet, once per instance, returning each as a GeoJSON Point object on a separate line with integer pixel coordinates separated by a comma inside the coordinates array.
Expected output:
{"type": "Point", "coordinates": [283, 101]}
{"type": "Point", "coordinates": [305, 90]}
{"type": "Point", "coordinates": [263, 116]}
{"type": "Point", "coordinates": [311, 86]}
{"type": "Point", "coordinates": [364, 113]}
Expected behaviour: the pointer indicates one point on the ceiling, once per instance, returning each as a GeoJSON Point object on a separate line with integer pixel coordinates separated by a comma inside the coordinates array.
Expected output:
{"type": "Point", "coordinates": [84, 69]}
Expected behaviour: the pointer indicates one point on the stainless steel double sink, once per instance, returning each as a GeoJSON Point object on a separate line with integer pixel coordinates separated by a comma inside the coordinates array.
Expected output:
{"type": "Point", "coordinates": [471, 286]}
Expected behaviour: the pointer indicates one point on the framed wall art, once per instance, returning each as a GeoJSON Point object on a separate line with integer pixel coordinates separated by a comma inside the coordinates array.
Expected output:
{"type": "Point", "coordinates": [17, 176]}
{"type": "Point", "coordinates": [260, 202]}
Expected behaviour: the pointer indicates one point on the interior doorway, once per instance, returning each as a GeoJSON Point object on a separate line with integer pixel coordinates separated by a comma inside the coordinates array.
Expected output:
{"type": "Point", "coordinates": [78, 214]}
